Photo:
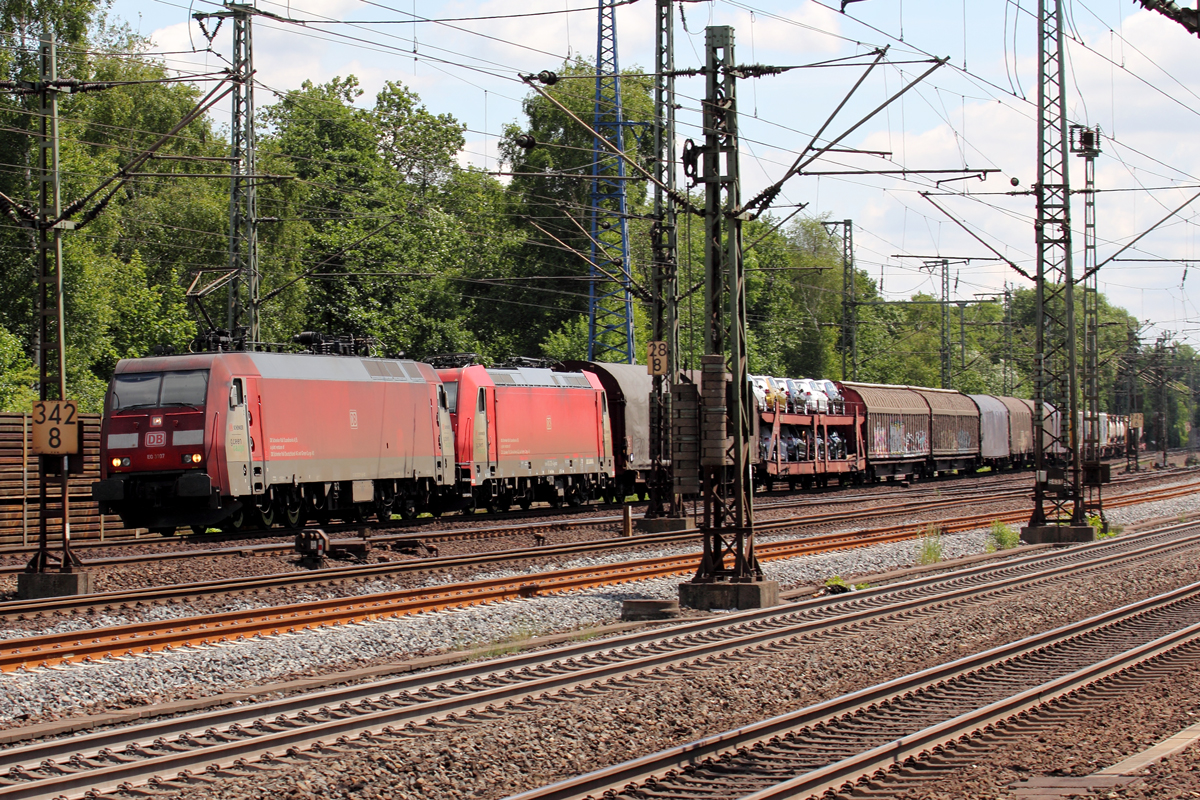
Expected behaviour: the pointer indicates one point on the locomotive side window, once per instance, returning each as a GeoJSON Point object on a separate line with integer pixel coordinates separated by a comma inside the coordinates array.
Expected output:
{"type": "Point", "coordinates": [482, 401]}
{"type": "Point", "coordinates": [604, 403]}
{"type": "Point", "coordinates": [235, 393]}
{"type": "Point", "coordinates": [451, 388]}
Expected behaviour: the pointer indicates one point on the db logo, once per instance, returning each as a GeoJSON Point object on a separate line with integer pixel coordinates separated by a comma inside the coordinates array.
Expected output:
{"type": "Point", "coordinates": [156, 439]}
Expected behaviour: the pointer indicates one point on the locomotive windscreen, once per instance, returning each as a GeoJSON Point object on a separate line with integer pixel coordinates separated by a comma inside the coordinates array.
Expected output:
{"type": "Point", "coordinates": [158, 389]}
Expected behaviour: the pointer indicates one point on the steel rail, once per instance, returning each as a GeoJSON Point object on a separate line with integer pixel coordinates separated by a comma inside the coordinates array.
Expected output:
{"type": "Point", "coordinates": [783, 501]}
{"type": "Point", "coordinates": [610, 781]}
{"type": "Point", "coordinates": [249, 737]}
{"type": "Point", "coordinates": [496, 531]}
{"type": "Point", "coordinates": [147, 637]}
{"type": "Point", "coordinates": [24, 608]}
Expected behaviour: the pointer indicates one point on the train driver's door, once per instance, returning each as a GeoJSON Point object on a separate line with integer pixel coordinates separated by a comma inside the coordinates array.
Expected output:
{"type": "Point", "coordinates": [237, 440]}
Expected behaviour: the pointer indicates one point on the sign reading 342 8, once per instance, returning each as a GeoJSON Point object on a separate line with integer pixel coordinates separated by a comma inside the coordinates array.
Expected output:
{"type": "Point", "coordinates": [55, 428]}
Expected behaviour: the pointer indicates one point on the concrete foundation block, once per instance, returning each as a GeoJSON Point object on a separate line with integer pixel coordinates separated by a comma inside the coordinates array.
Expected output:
{"type": "Point", "coordinates": [1057, 534]}
{"type": "Point", "coordinates": [664, 524]}
{"type": "Point", "coordinates": [635, 610]}
{"type": "Point", "coordinates": [38, 585]}
{"type": "Point", "coordinates": [740, 596]}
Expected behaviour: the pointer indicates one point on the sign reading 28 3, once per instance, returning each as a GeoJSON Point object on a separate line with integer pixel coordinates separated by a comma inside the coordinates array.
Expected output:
{"type": "Point", "coordinates": [55, 428]}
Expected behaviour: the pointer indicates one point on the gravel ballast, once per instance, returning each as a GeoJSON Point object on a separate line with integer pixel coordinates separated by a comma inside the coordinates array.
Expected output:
{"type": "Point", "coordinates": [188, 673]}
{"type": "Point", "coordinates": [515, 753]}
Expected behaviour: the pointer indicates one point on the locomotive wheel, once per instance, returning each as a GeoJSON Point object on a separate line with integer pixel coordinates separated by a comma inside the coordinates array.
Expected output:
{"type": "Point", "coordinates": [199, 530]}
{"type": "Point", "coordinates": [234, 522]}
{"type": "Point", "coordinates": [164, 532]}
{"type": "Point", "coordinates": [525, 501]}
{"type": "Point", "coordinates": [407, 506]}
{"type": "Point", "coordinates": [293, 512]}
{"type": "Point", "coordinates": [266, 514]}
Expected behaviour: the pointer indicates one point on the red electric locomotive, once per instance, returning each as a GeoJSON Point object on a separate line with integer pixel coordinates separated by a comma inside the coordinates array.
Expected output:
{"type": "Point", "coordinates": [234, 438]}
{"type": "Point", "coordinates": [529, 434]}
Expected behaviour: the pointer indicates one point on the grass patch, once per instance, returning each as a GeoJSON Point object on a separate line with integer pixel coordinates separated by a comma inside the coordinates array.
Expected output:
{"type": "Point", "coordinates": [506, 646]}
{"type": "Point", "coordinates": [929, 549]}
{"type": "Point", "coordinates": [836, 585]}
{"type": "Point", "coordinates": [1002, 537]}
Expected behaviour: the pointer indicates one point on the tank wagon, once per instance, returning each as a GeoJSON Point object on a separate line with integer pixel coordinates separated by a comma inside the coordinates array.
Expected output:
{"type": "Point", "coordinates": [254, 438]}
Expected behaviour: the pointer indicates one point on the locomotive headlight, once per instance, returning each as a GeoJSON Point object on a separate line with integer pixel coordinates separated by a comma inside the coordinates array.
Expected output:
{"type": "Point", "coordinates": [191, 458]}
{"type": "Point", "coordinates": [124, 462]}
{"type": "Point", "coordinates": [116, 462]}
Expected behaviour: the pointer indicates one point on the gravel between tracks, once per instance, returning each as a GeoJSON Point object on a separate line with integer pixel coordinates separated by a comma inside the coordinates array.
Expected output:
{"type": "Point", "coordinates": [40, 695]}
{"type": "Point", "coordinates": [517, 753]}
{"type": "Point", "coordinates": [1104, 736]}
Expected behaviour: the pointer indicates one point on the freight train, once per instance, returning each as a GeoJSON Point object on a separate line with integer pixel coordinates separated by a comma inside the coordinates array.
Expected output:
{"type": "Point", "coordinates": [256, 439]}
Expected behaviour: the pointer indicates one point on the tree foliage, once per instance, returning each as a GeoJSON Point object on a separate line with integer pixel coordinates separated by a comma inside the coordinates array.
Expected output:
{"type": "Point", "coordinates": [370, 226]}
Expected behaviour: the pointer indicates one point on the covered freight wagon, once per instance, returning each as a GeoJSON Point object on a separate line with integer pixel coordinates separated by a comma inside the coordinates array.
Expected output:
{"type": "Point", "coordinates": [895, 427]}
{"type": "Point", "coordinates": [1020, 429]}
{"type": "Point", "coordinates": [993, 429]}
{"type": "Point", "coordinates": [954, 428]}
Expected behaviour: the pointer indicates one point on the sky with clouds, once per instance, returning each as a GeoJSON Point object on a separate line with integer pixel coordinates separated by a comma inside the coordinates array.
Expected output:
{"type": "Point", "coordinates": [1129, 71]}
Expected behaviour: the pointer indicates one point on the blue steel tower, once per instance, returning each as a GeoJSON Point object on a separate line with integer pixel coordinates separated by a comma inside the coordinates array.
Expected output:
{"type": "Point", "coordinates": [610, 304]}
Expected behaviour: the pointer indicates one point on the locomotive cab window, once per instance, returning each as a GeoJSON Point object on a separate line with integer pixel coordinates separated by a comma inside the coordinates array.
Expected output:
{"type": "Point", "coordinates": [158, 389]}
{"type": "Point", "coordinates": [604, 403]}
{"type": "Point", "coordinates": [451, 388]}
{"type": "Point", "coordinates": [482, 401]}
{"type": "Point", "coordinates": [235, 393]}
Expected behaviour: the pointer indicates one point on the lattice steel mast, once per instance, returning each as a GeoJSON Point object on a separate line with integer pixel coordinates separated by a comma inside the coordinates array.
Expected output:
{"type": "Point", "coordinates": [1057, 488]}
{"type": "Point", "coordinates": [610, 301]}
{"type": "Point", "coordinates": [665, 299]}
{"type": "Point", "coordinates": [243, 200]}
{"type": "Point", "coordinates": [725, 431]}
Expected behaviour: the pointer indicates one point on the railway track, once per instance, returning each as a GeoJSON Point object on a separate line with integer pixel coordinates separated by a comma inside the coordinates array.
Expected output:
{"type": "Point", "coordinates": [292, 730]}
{"type": "Point", "coordinates": [407, 542]}
{"type": "Point", "coordinates": [399, 530]}
{"type": "Point", "coordinates": [144, 638]}
{"type": "Point", "coordinates": [832, 745]}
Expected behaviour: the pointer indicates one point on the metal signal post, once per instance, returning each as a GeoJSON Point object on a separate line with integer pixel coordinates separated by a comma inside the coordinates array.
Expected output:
{"type": "Point", "coordinates": [55, 439]}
